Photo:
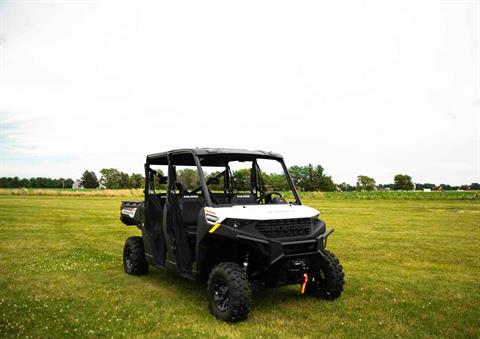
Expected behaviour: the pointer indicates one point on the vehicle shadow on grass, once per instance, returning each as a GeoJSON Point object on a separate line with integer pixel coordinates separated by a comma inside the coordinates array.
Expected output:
{"type": "Point", "coordinates": [167, 280]}
{"type": "Point", "coordinates": [194, 292]}
{"type": "Point", "coordinates": [266, 298]}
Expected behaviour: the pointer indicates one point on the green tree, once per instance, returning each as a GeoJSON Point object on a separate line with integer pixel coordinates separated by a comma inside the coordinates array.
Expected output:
{"type": "Point", "coordinates": [316, 177]}
{"type": "Point", "coordinates": [124, 180]}
{"type": "Point", "coordinates": [447, 187]}
{"type": "Point", "coordinates": [275, 182]}
{"type": "Point", "coordinates": [137, 181]}
{"type": "Point", "coordinates": [403, 182]}
{"type": "Point", "coordinates": [300, 177]}
{"type": "Point", "coordinates": [111, 178]}
{"type": "Point", "coordinates": [365, 183]}
{"type": "Point", "coordinates": [241, 180]}
{"type": "Point", "coordinates": [326, 184]}
{"type": "Point", "coordinates": [33, 182]}
{"type": "Point", "coordinates": [309, 178]}
{"type": "Point", "coordinates": [41, 182]}
{"type": "Point", "coordinates": [15, 182]}
{"type": "Point", "coordinates": [24, 183]}
{"type": "Point", "coordinates": [68, 183]}
{"type": "Point", "coordinates": [188, 177]}
{"type": "Point", "coordinates": [344, 187]}
{"type": "Point", "coordinates": [89, 179]}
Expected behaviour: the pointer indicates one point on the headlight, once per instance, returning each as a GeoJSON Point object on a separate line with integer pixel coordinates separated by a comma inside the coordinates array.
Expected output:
{"type": "Point", "coordinates": [236, 223]}
{"type": "Point", "coordinates": [211, 217]}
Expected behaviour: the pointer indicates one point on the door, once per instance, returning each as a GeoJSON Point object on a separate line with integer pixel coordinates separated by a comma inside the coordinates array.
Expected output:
{"type": "Point", "coordinates": [154, 239]}
{"type": "Point", "coordinates": [174, 225]}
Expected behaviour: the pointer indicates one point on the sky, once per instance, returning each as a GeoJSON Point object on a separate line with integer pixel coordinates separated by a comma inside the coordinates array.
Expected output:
{"type": "Point", "coordinates": [361, 87]}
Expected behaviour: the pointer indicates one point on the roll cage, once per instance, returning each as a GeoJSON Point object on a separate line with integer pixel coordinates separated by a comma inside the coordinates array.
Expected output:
{"type": "Point", "coordinates": [213, 157]}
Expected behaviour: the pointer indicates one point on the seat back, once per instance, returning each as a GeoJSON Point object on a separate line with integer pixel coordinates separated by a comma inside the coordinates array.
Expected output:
{"type": "Point", "coordinates": [219, 198]}
{"type": "Point", "coordinates": [190, 207]}
{"type": "Point", "coordinates": [243, 199]}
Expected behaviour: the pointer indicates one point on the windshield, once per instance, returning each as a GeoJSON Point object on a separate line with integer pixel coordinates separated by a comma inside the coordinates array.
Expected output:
{"type": "Point", "coordinates": [246, 182]}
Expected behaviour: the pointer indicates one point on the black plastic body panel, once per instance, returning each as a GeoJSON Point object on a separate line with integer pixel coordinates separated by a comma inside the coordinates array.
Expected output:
{"type": "Point", "coordinates": [132, 212]}
{"type": "Point", "coordinates": [227, 243]}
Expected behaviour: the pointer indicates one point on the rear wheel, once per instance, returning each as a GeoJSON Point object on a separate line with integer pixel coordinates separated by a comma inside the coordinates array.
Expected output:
{"type": "Point", "coordinates": [229, 293]}
{"type": "Point", "coordinates": [327, 282]}
{"type": "Point", "coordinates": [134, 261]}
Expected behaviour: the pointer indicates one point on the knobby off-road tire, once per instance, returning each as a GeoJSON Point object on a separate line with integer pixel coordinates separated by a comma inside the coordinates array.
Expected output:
{"type": "Point", "coordinates": [328, 282]}
{"type": "Point", "coordinates": [134, 261]}
{"type": "Point", "coordinates": [229, 293]}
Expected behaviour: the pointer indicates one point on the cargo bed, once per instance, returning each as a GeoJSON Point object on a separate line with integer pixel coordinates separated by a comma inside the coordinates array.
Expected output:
{"type": "Point", "coordinates": [131, 212]}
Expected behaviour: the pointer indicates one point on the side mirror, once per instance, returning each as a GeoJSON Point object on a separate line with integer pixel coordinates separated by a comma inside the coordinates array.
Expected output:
{"type": "Point", "coordinates": [162, 179]}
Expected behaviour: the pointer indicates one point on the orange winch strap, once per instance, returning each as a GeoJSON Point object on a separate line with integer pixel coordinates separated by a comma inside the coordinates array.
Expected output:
{"type": "Point", "coordinates": [305, 280]}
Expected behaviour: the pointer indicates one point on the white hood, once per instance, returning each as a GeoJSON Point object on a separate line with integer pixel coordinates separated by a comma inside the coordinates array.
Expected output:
{"type": "Point", "coordinates": [263, 212]}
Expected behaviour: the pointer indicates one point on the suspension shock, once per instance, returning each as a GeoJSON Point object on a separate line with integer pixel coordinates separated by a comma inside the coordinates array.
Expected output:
{"type": "Point", "coordinates": [245, 262]}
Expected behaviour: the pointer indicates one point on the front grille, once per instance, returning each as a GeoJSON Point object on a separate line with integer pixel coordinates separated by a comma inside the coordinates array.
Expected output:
{"type": "Point", "coordinates": [300, 248]}
{"type": "Point", "coordinates": [283, 228]}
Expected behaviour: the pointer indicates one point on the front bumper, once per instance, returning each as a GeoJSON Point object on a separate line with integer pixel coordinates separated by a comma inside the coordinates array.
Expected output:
{"type": "Point", "coordinates": [276, 249]}
{"type": "Point", "coordinates": [296, 248]}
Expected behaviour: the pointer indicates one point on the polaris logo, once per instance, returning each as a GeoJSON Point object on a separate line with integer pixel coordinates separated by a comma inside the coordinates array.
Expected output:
{"type": "Point", "coordinates": [281, 211]}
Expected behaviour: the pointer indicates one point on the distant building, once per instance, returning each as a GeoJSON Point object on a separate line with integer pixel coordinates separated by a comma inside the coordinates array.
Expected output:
{"type": "Point", "coordinates": [427, 189]}
{"type": "Point", "coordinates": [77, 185]}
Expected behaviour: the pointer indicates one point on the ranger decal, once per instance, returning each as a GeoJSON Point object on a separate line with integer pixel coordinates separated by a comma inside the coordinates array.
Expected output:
{"type": "Point", "coordinates": [129, 211]}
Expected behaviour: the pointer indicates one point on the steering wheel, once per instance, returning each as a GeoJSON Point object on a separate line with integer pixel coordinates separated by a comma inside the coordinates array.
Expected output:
{"type": "Point", "coordinates": [268, 195]}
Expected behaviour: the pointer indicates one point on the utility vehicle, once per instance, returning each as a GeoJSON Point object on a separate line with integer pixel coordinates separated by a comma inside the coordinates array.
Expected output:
{"type": "Point", "coordinates": [216, 218]}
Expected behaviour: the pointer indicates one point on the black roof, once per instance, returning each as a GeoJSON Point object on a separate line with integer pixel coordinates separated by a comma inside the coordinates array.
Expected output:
{"type": "Point", "coordinates": [210, 156]}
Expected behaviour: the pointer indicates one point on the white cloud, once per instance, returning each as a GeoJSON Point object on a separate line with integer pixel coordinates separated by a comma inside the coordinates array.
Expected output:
{"type": "Point", "coordinates": [361, 88]}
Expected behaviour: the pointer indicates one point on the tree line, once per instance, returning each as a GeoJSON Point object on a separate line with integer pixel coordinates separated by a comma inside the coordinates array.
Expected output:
{"type": "Point", "coordinates": [402, 182]}
{"type": "Point", "coordinates": [39, 182]}
{"type": "Point", "coordinates": [112, 178]}
{"type": "Point", "coordinates": [306, 178]}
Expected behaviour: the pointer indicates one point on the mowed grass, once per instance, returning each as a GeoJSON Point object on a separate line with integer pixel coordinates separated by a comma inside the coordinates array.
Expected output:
{"type": "Point", "coordinates": [412, 270]}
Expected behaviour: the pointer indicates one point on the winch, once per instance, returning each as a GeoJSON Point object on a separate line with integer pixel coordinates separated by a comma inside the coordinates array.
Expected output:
{"type": "Point", "coordinates": [296, 268]}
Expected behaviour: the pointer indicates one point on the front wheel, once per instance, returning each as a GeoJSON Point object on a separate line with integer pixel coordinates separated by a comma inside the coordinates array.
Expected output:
{"type": "Point", "coordinates": [327, 282]}
{"type": "Point", "coordinates": [134, 261]}
{"type": "Point", "coordinates": [229, 293]}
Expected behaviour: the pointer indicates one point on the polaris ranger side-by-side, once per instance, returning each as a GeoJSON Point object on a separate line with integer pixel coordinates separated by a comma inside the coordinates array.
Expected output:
{"type": "Point", "coordinates": [215, 218]}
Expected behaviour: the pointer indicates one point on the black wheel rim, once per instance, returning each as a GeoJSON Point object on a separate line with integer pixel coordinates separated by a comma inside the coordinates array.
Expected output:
{"type": "Point", "coordinates": [128, 258]}
{"type": "Point", "coordinates": [221, 296]}
{"type": "Point", "coordinates": [318, 279]}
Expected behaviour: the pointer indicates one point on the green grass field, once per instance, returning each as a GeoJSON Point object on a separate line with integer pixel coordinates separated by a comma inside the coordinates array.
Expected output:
{"type": "Point", "coordinates": [412, 270]}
